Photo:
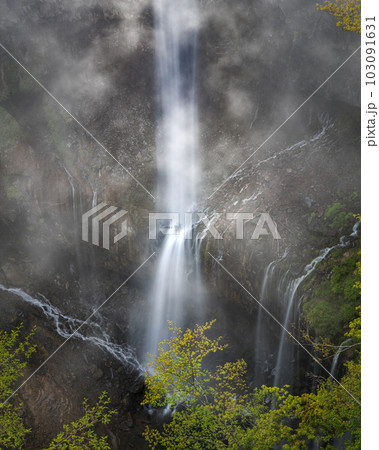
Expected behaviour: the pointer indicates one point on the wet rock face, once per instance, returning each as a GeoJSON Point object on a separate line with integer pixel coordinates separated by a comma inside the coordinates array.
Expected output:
{"type": "Point", "coordinates": [258, 61]}
{"type": "Point", "coordinates": [54, 395]}
{"type": "Point", "coordinates": [296, 186]}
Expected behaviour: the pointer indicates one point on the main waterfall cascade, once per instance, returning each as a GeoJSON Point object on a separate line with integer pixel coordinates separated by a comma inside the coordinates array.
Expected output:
{"type": "Point", "coordinates": [175, 293]}
{"type": "Point", "coordinates": [177, 282]}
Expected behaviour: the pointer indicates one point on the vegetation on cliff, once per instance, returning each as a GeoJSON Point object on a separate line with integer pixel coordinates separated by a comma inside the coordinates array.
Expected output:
{"type": "Point", "coordinates": [216, 409]}
{"type": "Point", "coordinates": [14, 354]}
{"type": "Point", "coordinates": [332, 296]}
{"type": "Point", "coordinates": [347, 12]}
{"type": "Point", "coordinates": [15, 351]}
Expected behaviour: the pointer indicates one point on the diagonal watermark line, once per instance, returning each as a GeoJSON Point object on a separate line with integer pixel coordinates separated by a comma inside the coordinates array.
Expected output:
{"type": "Point", "coordinates": [280, 126]}
{"type": "Point", "coordinates": [75, 332]}
{"type": "Point", "coordinates": [76, 120]}
{"type": "Point", "coordinates": [284, 328]}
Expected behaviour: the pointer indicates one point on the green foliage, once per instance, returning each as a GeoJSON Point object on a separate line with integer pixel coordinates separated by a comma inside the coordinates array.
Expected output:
{"type": "Point", "coordinates": [14, 353]}
{"type": "Point", "coordinates": [354, 196]}
{"type": "Point", "coordinates": [178, 366]}
{"type": "Point", "coordinates": [334, 209]}
{"type": "Point", "coordinates": [81, 435]}
{"type": "Point", "coordinates": [215, 407]}
{"type": "Point", "coordinates": [355, 327]}
{"type": "Point", "coordinates": [338, 216]}
{"type": "Point", "coordinates": [11, 188]}
{"type": "Point", "coordinates": [215, 410]}
{"type": "Point", "coordinates": [322, 417]}
{"type": "Point", "coordinates": [348, 13]}
{"type": "Point", "coordinates": [334, 301]}
{"type": "Point", "coordinates": [12, 430]}
{"type": "Point", "coordinates": [325, 316]}
{"type": "Point", "coordinates": [344, 279]}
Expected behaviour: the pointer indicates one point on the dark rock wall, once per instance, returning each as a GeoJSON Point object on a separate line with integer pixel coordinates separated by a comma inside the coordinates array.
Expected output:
{"type": "Point", "coordinates": [258, 61]}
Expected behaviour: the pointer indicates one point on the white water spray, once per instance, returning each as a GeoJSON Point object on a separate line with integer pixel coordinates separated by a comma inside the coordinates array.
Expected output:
{"type": "Point", "coordinates": [176, 280]}
{"type": "Point", "coordinates": [91, 331]}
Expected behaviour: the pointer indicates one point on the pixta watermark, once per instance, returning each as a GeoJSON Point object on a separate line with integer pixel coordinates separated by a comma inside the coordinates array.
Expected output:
{"type": "Point", "coordinates": [185, 225]}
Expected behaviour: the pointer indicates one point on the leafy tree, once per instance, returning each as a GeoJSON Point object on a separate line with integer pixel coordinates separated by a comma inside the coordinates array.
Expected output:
{"type": "Point", "coordinates": [332, 412]}
{"type": "Point", "coordinates": [355, 326]}
{"type": "Point", "coordinates": [79, 435]}
{"type": "Point", "coordinates": [14, 354]}
{"type": "Point", "coordinates": [215, 410]}
{"type": "Point", "coordinates": [324, 416]}
{"type": "Point", "coordinates": [211, 409]}
{"type": "Point", "coordinates": [348, 13]}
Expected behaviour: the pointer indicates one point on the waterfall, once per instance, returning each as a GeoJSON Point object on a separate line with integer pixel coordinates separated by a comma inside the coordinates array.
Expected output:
{"type": "Point", "coordinates": [336, 357]}
{"type": "Point", "coordinates": [91, 331]}
{"type": "Point", "coordinates": [286, 353]}
{"type": "Point", "coordinates": [177, 138]}
{"type": "Point", "coordinates": [94, 187]}
{"type": "Point", "coordinates": [71, 180]}
{"type": "Point", "coordinates": [260, 359]}
{"type": "Point", "coordinates": [270, 292]}
{"type": "Point", "coordinates": [173, 290]}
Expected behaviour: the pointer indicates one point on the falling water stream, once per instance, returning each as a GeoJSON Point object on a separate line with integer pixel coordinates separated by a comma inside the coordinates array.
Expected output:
{"type": "Point", "coordinates": [176, 289]}
{"type": "Point", "coordinates": [177, 140]}
{"type": "Point", "coordinates": [276, 360]}
{"type": "Point", "coordinates": [91, 331]}
{"type": "Point", "coordinates": [286, 349]}
{"type": "Point", "coordinates": [333, 369]}
{"type": "Point", "coordinates": [272, 285]}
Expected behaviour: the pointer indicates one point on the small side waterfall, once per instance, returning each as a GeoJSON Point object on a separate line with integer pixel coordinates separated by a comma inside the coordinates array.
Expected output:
{"type": "Point", "coordinates": [286, 354]}
{"type": "Point", "coordinates": [272, 285]}
{"type": "Point", "coordinates": [286, 351]}
{"type": "Point", "coordinates": [336, 357]}
{"type": "Point", "coordinates": [76, 198]}
{"type": "Point", "coordinates": [176, 25]}
{"type": "Point", "coordinates": [90, 332]}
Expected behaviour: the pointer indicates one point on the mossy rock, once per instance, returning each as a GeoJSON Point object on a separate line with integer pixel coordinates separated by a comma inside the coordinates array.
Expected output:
{"type": "Point", "coordinates": [11, 188]}
{"type": "Point", "coordinates": [333, 298]}
{"type": "Point", "coordinates": [338, 216]}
